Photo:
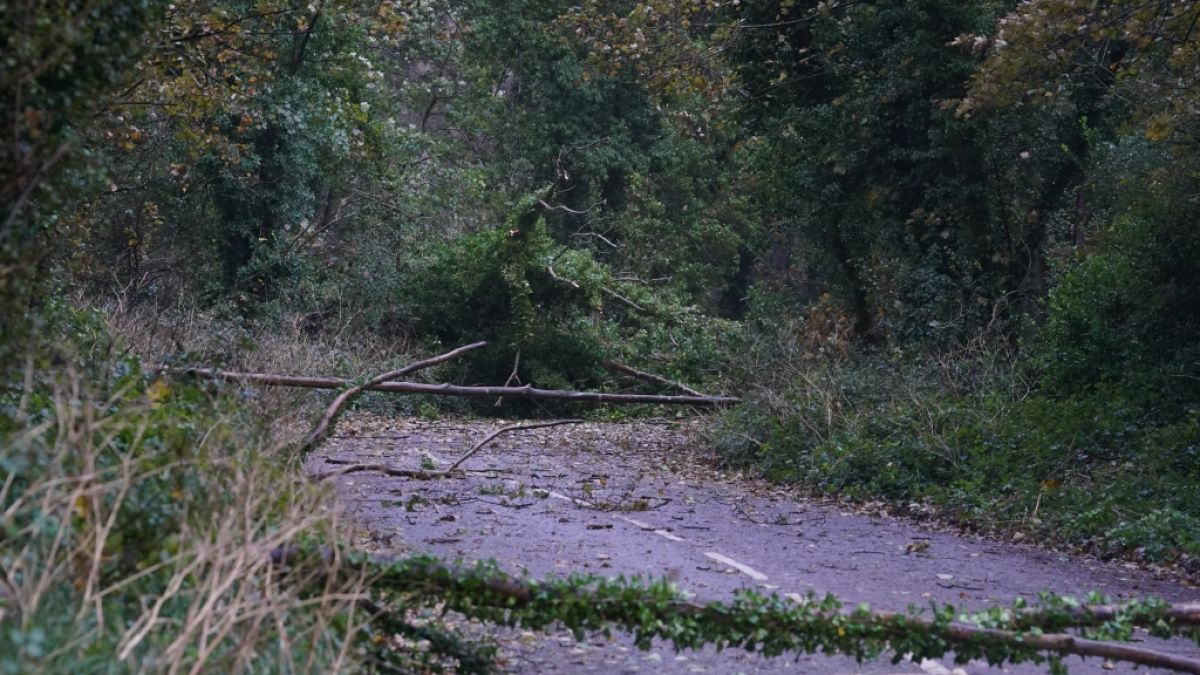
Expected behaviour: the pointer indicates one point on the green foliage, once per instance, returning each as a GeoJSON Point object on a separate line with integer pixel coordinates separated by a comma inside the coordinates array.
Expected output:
{"type": "Point", "coordinates": [772, 626]}
{"type": "Point", "coordinates": [643, 188]}
{"type": "Point", "coordinates": [977, 446]}
{"type": "Point", "coordinates": [58, 60]}
{"type": "Point", "coordinates": [499, 285]}
{"type": "Point", "coordinates": [919, 222]}
{"type": "Point", "coordinates": [550, 311]}
{"type": "Point", "coordinates": [1162, 534]}
{"type": "Point", "coordinates": [1130, 311]}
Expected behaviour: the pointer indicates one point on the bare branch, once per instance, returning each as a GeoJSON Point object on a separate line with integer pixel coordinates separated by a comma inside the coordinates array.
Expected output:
{"type": "Point", "coordinates": [600, 237]}
{"type": "Point", "coordinates": [340, 402]}
{"type": "Point", "coordinates": [649, 377]}
{"type": "Point", "coordinates": [624, 300]}
{"type": "Point", "coordinates": [504, 430]}
{"type": "Point", "coordinates": [554, 276]}
{"type": "Point", "coordinates": [560, 207]}
{"type": "Point", "coordinates": [268, 379]}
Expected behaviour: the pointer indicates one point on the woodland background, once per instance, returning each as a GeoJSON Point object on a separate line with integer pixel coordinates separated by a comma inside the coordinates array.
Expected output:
{"type": "Point", "coordinates": [947, 251]}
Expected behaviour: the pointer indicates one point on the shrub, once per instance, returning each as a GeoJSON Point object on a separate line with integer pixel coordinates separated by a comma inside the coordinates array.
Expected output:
{"type": "Point", "coordinates": [1106, 467]}
{"type": "Point", "coordinates": [1130, 312]}
{"type": "Point", "coordinates": [140, 521]}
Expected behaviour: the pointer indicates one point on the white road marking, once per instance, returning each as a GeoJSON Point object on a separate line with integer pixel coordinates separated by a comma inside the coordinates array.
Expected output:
{"type": "Point", "coordinates": [934, 668]}
{"type": "Point", "coordinates": [744, 569]}
{"type": "Point", "coordinates": [635, 521]}
{"type": "Point", "coordinates": [577, 502]}
{"type": "Point", "coordinates": [650, 528]}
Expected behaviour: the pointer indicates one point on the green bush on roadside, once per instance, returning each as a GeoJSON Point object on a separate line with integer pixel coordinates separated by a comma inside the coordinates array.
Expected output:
{"type": "Point", "coordinates": [1108, 468]}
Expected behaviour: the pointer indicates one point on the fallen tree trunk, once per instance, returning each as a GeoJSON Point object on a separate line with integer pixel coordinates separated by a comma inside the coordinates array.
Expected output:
{"type": "Point", "coordinates": [274, 380]}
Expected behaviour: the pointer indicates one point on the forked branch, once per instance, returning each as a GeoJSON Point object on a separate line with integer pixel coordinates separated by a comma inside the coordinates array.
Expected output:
{"type": "Point", "coordinates": [340, 402]}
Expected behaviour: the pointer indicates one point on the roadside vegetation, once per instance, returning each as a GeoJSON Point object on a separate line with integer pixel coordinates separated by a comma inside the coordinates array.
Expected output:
{"type": "Point", "coordinates": [946, 252]}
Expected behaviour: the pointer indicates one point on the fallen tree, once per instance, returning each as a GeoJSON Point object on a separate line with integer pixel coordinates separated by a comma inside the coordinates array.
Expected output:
{"type": "Point", "coordinates": [404, 387]}
{"type": "Point", "coordinates": [650, 610]}
{"type": "Point", "coordinates": [387, 382]}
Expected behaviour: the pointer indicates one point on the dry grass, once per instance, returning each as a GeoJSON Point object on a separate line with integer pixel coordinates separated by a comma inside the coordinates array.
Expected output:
{"type": "Point", "coordinates": [137, 535]}
{"type": "Point", "coordinates": [192, 337]}
{"type": "Point", "coordinates": [291, 345]}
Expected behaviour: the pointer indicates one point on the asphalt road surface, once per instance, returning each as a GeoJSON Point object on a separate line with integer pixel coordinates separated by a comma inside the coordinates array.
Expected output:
{"type": "Point", "coordinates": [636, 499]}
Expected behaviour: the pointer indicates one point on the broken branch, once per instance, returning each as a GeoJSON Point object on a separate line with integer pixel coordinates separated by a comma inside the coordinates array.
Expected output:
{"type": "Point", "coordinates": [554, 276]}
{"type": "Point", "coordinates": [504, 430]}
{"type": "Point", "coordinates": [420, 474]}
{"type": "Point", "coordinates": [617, 296]}
{"type": "Point", "coordinates": [340, 402]}
{"type": "Point", "coordinates": [649, 377]}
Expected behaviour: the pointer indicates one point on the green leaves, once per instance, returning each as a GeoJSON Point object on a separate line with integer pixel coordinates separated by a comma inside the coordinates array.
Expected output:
{"type": "Point", "coordinates": [651, 610]}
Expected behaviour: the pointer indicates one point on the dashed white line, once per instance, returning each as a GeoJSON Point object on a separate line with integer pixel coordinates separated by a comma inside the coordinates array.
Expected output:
{"type": "Point", "coordinates": [744, 569]}
{"type": "Point", "coordinates": [635, 521]}
{"type": "Point", "coordinates": [934, 668]}
{"type": "Point", "coordinates": [712, 555]}
{"type": "Point", "coordinates": [577, 502]}
{"type": "Point", "coordinates": [650, 528]}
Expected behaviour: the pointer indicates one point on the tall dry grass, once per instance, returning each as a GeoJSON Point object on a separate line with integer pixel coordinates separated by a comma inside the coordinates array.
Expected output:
{"type": "Point", "coordinates": [138, 522]}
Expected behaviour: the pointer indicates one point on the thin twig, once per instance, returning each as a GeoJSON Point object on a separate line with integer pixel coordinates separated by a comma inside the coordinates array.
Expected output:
{"type": "Point", "coordinates": [503, 430]}
{"type": "Point", "coordinates": [650, 377]}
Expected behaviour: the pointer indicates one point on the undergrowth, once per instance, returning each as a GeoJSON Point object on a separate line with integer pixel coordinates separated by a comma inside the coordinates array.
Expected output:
{"type": "Point", "coordinates": [1110, 468]}
{"type": "Point", "coordinates": [141, 519]}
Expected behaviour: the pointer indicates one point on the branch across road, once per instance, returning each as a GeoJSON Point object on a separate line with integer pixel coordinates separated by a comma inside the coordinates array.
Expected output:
{"type": "Point", "coordinates": [404, 387]}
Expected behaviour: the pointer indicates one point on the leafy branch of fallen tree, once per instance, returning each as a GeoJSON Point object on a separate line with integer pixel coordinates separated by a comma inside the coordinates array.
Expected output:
{"type": "Point", "coordinates": [654, 609]}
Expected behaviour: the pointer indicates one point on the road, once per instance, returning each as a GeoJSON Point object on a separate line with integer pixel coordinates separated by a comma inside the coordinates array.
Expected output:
{"type": "Point", "coordinates": [638, 499]}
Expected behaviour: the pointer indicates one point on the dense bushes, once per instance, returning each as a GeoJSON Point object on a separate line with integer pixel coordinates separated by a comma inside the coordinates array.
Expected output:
{"type": "Point", "coordinates": [553, 313]}
{"type": "Point", "coordinates": [1106, 467]}
{"type": "Point", "coordinates": [1130, 312]}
